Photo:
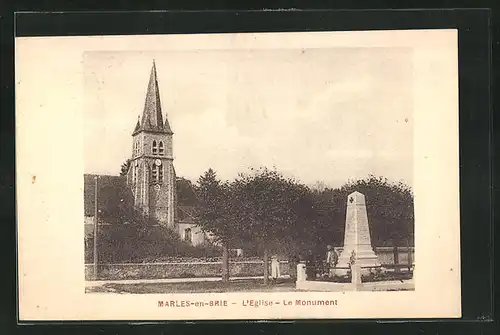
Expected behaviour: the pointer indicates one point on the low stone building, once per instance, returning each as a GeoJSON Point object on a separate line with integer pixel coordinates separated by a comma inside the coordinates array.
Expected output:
{"type": "Point", "coordinates": [187, 228]}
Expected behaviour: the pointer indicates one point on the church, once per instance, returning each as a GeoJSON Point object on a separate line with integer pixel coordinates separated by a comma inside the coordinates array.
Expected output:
{"type": "Point", "coordinates": [149, 184]}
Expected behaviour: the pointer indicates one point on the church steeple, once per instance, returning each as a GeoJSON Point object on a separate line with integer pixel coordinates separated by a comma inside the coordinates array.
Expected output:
{"type": "Point", "coordinates": [152, 119]}
{"type": "Point", "coordinates": [152, 175]}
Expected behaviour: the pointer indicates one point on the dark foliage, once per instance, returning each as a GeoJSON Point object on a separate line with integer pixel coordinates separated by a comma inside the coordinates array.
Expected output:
{"type": "Point", "coordinates": [263, 210]}
{"type": "Point", "coordinates": [215, 215]}
{"type": "Point", "coordinates": [124, 168]}
{"type": "Point", "coordinates": [142, 241]}
{"type": "Point", "coordinates": [389, 206]}
{"type": "Point", "coordinates": [115, 199]}
{"type": "Point", "coordinates": [215, 211]}
{"type": "Point", "coordinates": [186, 193]}
{"type": "Point", "coordinates": [258, 211]}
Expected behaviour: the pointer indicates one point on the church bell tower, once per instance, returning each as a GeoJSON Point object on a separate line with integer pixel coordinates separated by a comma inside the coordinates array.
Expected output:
{"type": "Point", "coordinates": [151, 175]}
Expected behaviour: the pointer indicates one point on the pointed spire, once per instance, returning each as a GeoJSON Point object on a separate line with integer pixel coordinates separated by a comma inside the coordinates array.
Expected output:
{"type": "Point", "coordinates": [166, 127]}
{"type": "Point", "coordinates": [152, 119]}
{"type": "Point", "coordinates": [138, 125]}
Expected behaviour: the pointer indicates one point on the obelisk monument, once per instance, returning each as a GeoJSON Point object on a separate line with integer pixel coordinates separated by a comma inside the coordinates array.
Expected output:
{"type": "Point", "coordinates": [357, 235]}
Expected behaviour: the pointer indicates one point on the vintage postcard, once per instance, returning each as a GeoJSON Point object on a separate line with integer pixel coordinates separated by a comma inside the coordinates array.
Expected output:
{"type": "Point", "coordinates": [238, 176]}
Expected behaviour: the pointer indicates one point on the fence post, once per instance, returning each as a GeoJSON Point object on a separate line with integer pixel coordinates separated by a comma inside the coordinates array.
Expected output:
{"type": "Point", "coordinates": [301, 272]}
{"type": "Point", "coordinates": [410, 259]}
{"type": "Point", "coordinates": [356, 276]}
{"type": "Point", "coordinates": [396, 258]}
{"type": "Point", "coordinates": [96, 227]}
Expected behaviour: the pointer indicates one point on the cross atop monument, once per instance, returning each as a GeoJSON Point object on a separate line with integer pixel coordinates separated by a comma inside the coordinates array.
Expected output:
{"type": "Point", "coordinates": [356, 198]}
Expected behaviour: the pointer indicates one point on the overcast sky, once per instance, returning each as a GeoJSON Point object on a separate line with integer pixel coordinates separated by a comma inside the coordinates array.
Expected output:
{"type": "Point", "coordinates": [316, 114]}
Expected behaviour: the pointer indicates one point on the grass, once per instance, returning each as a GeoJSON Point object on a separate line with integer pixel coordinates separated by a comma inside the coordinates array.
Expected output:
{"type": "Point", "coordinates": [242, 285]}
{"type": "Point", "coordinates": [238, 285]}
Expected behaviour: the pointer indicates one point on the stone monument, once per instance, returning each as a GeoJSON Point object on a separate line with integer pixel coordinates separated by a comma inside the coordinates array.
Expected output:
{"type": "Point", "coordinates": [357, 241]}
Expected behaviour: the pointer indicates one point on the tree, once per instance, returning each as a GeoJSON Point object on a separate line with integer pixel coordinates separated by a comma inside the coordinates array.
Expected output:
{"type": "Point", "coordinates": [270, 208]}
{"type": "Point", "coordinates": [328, 224]}
{"type": "Point", "coordinates": [390, 208]}
{"type": "Point", "coordinates": [124, 168]}
{"type": "Point", "coordinates": [214, 214]}
{"type": "Point", "coordinates": [186, 193]}
{"type": "Point", "coordinates": [319, 186]}
{"type": "Point", "coordinates": [141, 240]}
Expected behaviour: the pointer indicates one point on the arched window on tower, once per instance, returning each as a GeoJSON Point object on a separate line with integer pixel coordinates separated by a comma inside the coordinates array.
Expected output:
{"type": "Point", "coordinates": [154, 174]}
{"type": "Point", "coordinates": [160, 173]}
{"type": "Point", "coordinates": [157, 173]}
{"type": "Point", "coordinates": [155, 148]}
{"type": "Point", "coordinates": [162, 149]}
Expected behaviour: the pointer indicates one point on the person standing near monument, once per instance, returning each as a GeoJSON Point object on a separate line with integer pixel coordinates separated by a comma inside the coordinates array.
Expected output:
{"type": "Point", "coordinates": [292, 263]}
{"type": "Point", "coordinates": [331, 260]}
{"type": "Point", "coordinates": [311, 266]}
{"type": "Point", "coordinates": [275, 267]}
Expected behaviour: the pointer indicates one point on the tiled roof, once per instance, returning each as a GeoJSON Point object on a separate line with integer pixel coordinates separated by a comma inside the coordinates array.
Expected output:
{"type": "Point", "coordinates": [185, 214]}
{"type": "Point", "coordinates": [114, 198]}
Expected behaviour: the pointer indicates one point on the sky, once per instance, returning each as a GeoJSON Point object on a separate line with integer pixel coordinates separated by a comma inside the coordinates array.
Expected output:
{"type": "Point", "coordinates": [318, 115]}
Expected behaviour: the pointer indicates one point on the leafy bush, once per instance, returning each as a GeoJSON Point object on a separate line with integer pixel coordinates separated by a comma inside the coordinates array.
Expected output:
{"type": "Point", "coordinates": [135, 243]}
{"type": "Point", "coordinates": [380, 275]}
{"type": "Point", "coordinates": [352, 259]}
{"type": "Point", "coordinates": [187, 275]}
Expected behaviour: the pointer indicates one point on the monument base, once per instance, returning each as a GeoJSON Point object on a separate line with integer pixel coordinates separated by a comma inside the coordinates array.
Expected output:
{"type": "Point", "coordinates": [363, 255]}
{"type": "Point", "coordinates": [355, 285]}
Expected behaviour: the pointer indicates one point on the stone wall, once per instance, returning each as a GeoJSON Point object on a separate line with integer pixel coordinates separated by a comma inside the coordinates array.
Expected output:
{"type": "Point", "coordinates": [177, 270]}
{"type": "Point", "coordinates": [210, 269]}
{"type": "Point", "coordinates": [386, 254]}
